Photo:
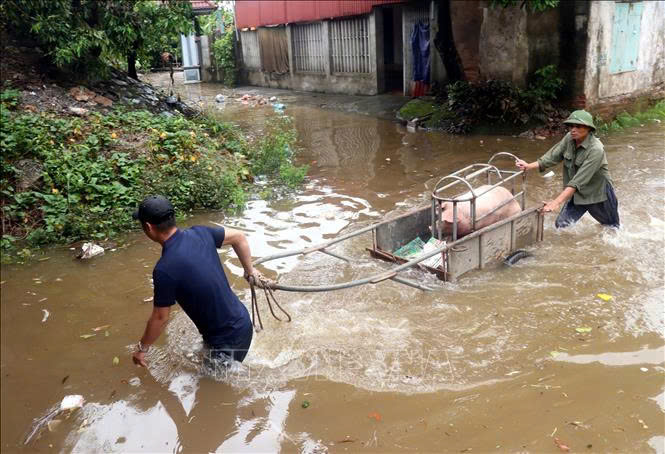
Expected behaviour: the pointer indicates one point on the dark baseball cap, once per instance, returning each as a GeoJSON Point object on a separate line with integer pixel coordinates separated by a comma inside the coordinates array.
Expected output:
{"type": "Point", "coordinates": [154, 209]}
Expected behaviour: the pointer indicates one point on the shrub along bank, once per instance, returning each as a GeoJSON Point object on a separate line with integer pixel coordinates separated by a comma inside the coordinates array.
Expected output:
{"type": "Point", "coordinates": [461, 107]}
{"type": "Point", "coordinates": [64, 179]}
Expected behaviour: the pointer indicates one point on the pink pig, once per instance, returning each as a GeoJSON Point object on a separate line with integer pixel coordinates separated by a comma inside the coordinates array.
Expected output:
{"type": "Point", "coordinates": [484, 204]}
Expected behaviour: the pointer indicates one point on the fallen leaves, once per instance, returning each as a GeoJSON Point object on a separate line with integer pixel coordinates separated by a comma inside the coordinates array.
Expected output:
{"type": "Point", "coordinates": [604, 296]}
{"type": "Point", "coordinates": [87, 336]}
{"type": "Point", "coordinates": [305, 404]}
{"type": "Point", "coordinates": [116, 360]}
{"type": "Point", "coordinates": [99, 328]}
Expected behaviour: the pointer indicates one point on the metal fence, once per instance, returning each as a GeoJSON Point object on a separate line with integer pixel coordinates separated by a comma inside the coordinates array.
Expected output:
{"type": "Point", "coordinates": [308, 52]}
{"type": "Point", "coordinates": [349, 42]}
{"type": "Point", "coordinates": [250, 49]}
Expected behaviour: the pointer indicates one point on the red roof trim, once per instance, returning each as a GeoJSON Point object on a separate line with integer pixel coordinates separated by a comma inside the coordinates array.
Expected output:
{"type": "Point", "coordinates": [256, 13]}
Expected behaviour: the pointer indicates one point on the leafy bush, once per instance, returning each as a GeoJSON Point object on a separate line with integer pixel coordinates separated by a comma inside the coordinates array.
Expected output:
{"type": "Point", "coordinates": [94, 171]}
{"type": "Point", "coordinates": [534, 5]}
{"type": "Point", "coordinates": [275, 150]}
{"type": "Point", "coordinates": [547, 84]}
{"type": "Point", "coordinates": [223, 47]}
{"type": "Point", "coordinates": [84, 36]}
{"type": "Point", "coordinates": [498, 101]}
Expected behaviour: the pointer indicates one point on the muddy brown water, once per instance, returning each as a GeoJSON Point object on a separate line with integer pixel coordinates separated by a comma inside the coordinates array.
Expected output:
{"type": "Point", "coordinates": [491, 363]}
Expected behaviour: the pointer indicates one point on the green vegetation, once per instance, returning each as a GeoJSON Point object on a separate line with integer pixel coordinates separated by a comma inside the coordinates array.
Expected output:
{"type": "Point", "coordinates": [84, 36]}
{"type": "Point", "coordinates": [462, 106]}
{"type": "Point", "coordinates": [223, 47]}
{"type": "Point", "coordinates": [626, 120]}
{"type": "Point", "coordinates": [533, 5]}
{"type": "Point", "coordinates": [91, 172]}
{"type": "Point", "coordinates": [416, 108]}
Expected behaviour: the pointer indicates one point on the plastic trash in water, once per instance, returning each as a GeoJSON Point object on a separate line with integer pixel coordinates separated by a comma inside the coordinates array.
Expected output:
{"type": "Point", "coordinates": [68, 403]}
{"type": "Point", "coordinates": [273, 98]}
{"type": "Point", "coordinates": [549, 174]}
{"type": "Point", "coordinates": [279, 107]}
{"type": "Point", "coordinates": [90, 250]}
{"type": "Point", "coordinates": [220, 98]}
{"type": "Point", "coordinates": [72, 402]}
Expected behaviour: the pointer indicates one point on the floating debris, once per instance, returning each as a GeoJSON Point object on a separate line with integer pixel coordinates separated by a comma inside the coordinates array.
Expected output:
{"type": "Point", "coordinates": [90, 250]}
{"type": "Point", "coordinates": [583, 329]}
{"type": "Point", "coordinates": [46, 315]}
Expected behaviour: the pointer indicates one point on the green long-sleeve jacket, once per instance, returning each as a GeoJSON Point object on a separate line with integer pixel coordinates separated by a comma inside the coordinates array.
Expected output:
{"type": "Point", "coordinates": [584, 167]}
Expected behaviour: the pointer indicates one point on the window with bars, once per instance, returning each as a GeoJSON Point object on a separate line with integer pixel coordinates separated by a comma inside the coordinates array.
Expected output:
{"type": "Point", "coordinates": [308, 52]}
{"type": "Point", "coordinates": [349, 45]}
{"type": "Point", "coordinates": [250, 49]}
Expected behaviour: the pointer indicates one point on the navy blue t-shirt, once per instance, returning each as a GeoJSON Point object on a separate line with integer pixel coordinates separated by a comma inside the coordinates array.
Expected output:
{"type": "Point", "coordinates": [191, 273]}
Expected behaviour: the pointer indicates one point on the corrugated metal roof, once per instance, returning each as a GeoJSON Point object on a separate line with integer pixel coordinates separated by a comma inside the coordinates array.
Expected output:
{"type": "Point", "coordinates": [256, 13]}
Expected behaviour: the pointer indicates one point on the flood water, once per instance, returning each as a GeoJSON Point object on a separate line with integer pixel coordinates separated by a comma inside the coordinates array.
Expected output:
{"type": "Point", "coordinates": [493, 362]}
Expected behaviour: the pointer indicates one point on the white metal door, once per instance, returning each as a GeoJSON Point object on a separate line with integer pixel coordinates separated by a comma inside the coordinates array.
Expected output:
{"type": "Point", "coordinates": [190, 59]}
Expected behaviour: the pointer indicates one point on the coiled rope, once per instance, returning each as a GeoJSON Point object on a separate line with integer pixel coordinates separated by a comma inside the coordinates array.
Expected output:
{"type": "Point", "coordinates": [260, 281]}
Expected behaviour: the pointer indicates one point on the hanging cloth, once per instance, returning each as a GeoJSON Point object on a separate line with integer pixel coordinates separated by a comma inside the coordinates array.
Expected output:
{"type": "Point", "coordinates": [274, 48]}
{"type": "Point", "coordinates": [420, 49]}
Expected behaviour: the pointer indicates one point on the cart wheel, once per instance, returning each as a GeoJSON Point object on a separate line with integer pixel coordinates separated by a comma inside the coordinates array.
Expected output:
{"type": "Point", "coordinates": [516, 257]}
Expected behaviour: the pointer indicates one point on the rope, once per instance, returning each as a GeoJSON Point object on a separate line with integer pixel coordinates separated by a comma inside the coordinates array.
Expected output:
{"type": "Point", "coordinates": [267, 285]}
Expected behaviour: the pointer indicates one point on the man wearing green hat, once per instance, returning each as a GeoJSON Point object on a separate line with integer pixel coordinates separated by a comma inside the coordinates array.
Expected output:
{"type": "Point", "coordinates": [586, 180]}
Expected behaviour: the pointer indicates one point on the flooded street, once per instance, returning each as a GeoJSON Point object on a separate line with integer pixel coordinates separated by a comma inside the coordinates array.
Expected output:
{"type": "Point", "coordinates": [501, 360]}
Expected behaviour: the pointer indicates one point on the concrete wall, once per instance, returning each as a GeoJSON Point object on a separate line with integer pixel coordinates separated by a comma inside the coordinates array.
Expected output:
{"type": "Point", "coordinates": [208, 71]}
{"type": "Point", "coordinates": [503, 46]}
{"type": "Point", "coordinates": [603, 89]}
{"type": "Point", "coordinates": [467, 19]}
{"type": "Point", "coordinates": [438, 72]}
{"type": "Point", "coordinates": [327, 81]}
{"type": "Point", "coordinates": [513, 42]}
{"type": "Point", "coordinates": [573, 22]}
{"type": "Point", "coordinates": [542, 32]}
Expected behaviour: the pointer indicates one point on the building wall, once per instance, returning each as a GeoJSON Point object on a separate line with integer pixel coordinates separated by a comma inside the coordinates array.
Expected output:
{"type": "Point", "coordinates": [333, 56]}
{"type": "Point", "coordinates": [573, 22]}
{"type": "Point", "coordinates": [503, 47]}
{"type": "Point", "coordinates": [602, 87]}
{"type": "Point", "coordinates": [466, 20]}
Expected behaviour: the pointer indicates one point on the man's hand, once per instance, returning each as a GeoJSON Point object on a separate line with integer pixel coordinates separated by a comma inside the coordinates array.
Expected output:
{"type": "Point", "coordinates": [523, 165]}
{"type": "Point", "coordinates": [255, 277]}
{"type": "Point", "coordinates": [551, 206]}
{"type": "Point", "coordinates": [139, 359]}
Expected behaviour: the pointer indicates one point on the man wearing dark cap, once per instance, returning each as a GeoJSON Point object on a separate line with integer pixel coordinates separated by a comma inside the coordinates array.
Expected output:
{"type": "Point", "coordinates": [586, 179]}
{"type": "Point", "coordinates": [189, 272]}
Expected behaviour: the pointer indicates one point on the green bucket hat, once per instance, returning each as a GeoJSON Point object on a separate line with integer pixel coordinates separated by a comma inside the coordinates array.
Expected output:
{"type": "Point", "coordinates": [580, 117]}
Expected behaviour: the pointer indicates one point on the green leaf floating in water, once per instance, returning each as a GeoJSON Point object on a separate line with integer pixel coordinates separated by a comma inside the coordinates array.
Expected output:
{"type": "Point", "coordinates": [583, 329]}
{"type": "Point", "coordinates": [305, 403]}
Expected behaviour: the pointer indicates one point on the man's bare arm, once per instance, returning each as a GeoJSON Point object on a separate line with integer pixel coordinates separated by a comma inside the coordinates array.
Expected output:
{"type": "Point", "coordinates": [153, 329]}
{"type": "Point", "coordinates": [562, 198]}
{"type": "Point", "coordinates": [237, 240]}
